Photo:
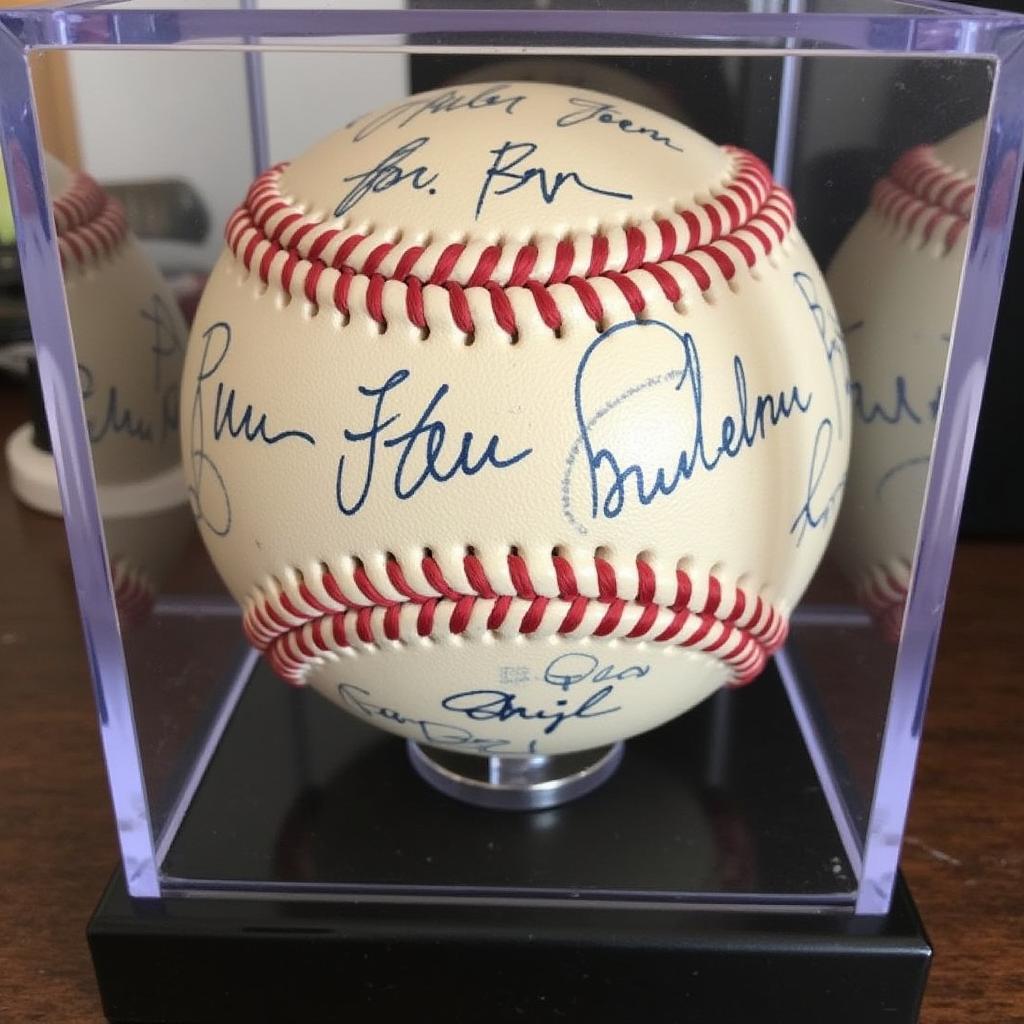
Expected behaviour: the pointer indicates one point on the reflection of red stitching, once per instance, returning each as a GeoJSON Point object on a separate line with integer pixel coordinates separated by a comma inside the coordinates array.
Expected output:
{"type": "Point", "coordinates": [296, 625]}
{"type": "Point", "coordinates": [748, 216]}
{"type": "Point", "coordinates": [133, 592]}
{"type": "Point", "coordinates": [922, 193]}
{"type": "Point", "coordinates": [89, 223]}
{"type": "Point", "coordinates": [884, 593]}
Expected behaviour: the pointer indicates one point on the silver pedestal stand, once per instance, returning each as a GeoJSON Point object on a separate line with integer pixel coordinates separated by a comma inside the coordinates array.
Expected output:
{"type": "Point", "coordinates": [515, 783]}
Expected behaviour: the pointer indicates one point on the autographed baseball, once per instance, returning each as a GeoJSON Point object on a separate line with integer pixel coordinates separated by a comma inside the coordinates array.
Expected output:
{"type": "Point", "coordinates": [895, 281]}
{"type": "Point", "coordinates": [129, 335]}
{"type": "Point", "coordinates": [514, 417]}
{"type": "Point", "coordinates": [130, 344]}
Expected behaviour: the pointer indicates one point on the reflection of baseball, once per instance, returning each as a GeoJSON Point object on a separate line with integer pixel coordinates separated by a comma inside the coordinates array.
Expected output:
{"type": "Point", "coordinates": [129, 335]}
{"type": "Point", "coordinates": [514, 417]}
{"type": "Point", "coordinates": [895, 282]}
{"type": "Point", "coordinates": [130, 343]}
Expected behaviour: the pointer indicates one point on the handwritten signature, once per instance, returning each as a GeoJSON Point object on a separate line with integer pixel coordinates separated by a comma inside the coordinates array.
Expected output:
{"type": "Point", "coordinates": [425, 452]}
{"type": "Point", "coordinates": [437, 733]}
{"type": "Point", "coordinates": [506, 175]}
{"type": "Point", "coordinates": [492, 97]}
{"type": "Point", "coordinates": [606, 113]}
{"type": "Point", "coordinates": [502, 706]}
{"type": "Point", "coordinates": [809, 517]}
{"type": "Point", "coordinates": [117, 418]}
{"type": "Point", "coordinates": [819, 509]}
{"type": "Point", "coordinates": [897, 406]}
{"type": "Point", "coordinates": [576, 667]}
{"type": "Point", "coordinates": [613, 484]}
{"type": "Point", "coordinates": [830, 334]}
{"type": "Point", "coordinates": [387, 174]}
{"type": "Point", "coordinates": [208, 490]}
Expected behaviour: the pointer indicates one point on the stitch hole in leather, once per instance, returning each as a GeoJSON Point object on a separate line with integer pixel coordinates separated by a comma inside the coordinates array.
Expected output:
{"type": "Point", "coordinates": [606, 554]}
{"type": "Point", "coordinates": [470, 339]}
{"type": "Point", "coordinates": [513, 338]}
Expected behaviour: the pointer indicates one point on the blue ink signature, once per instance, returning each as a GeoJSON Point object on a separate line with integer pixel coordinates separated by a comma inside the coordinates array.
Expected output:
{"type": "Point", "coordinates": [830, 334]}
{"type": "Point", "coordinates": [165, 342]}
{"type": "Point", "coordinates": [119, 419]}
{"type": "Point", "coordinates": [501, 706]}
{"type": "Point", "coordinates": [917, 462]}
{"type": "Point", "coordinates": [736, 433]}
{"type": "Point", "coordinates": [809, 517]}
{"type": "Point", "coordinates": [576, 667]}
{"type": "Point", "coordinates": [574, 450]}
{"type": "Point", "coordinates": [489, 98]}
{"type": "Point", "coordinates": [421, 448]}
{"type": "Point", "coordinates": [605, 113]}
{"type": "Point", "coordinates": [208, 491]}
{"type": "Point", "coordinates": [505, 175]}
{"type": "Point", "coordinates": [386, 174]}
{"type": "Point", "coordinates": [437, 733]}
{"type": "Point", "coordinates": [897, 408]}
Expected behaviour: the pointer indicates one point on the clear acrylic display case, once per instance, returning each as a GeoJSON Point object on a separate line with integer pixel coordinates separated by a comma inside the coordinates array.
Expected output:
{"type": "Point", "coordinates": [791, 793]}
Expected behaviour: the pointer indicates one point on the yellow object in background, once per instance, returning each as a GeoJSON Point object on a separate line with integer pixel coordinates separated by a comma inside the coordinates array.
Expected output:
{"type": "Point", "coordinates": [6, 216]}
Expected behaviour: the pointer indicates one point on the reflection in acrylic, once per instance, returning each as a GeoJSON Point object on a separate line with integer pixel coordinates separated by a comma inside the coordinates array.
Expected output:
{"type": "Point", "coordinates": [895, 281]}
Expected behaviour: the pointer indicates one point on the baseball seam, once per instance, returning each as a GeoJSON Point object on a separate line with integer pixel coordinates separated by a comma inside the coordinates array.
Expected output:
{"type": "Point", "coordinates": [745, 219]}
{"type": "Point", "coordinates": [89, 223]}
{"type": "Point", "coordinates": [883, 591]}
{"type": "Point", "coordinates": [134, 592]}
{"type": "Point", "coordinates": [925, 197]}
{"type": "Point", "coordinates": [315, 616]}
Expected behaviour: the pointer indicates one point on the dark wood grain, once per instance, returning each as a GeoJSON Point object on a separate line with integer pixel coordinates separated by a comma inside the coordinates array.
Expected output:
{"type": "Point", "coordinates": [963, 857]}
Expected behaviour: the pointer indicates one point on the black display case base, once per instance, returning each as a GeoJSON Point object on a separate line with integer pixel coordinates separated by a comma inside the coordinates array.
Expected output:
{"type": "Point", "coordinates": [219, 960]}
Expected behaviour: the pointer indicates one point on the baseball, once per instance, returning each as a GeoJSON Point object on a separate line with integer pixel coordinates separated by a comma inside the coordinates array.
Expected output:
{"type": "Point", "coordinates": [129, 343]}
{"type": "Point", "coordinates": [895, 281]}
{"type": "Point", "coordinates": [515, 417]}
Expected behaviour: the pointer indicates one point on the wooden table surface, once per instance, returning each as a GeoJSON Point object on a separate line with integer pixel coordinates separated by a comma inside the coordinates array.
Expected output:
{"type": "Point", "coordinates": [963, 855]}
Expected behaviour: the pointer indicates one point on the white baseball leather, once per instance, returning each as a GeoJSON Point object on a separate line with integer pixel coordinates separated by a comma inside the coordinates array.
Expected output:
{"type": "Point", "coordinates": [596, 370]}
{"type": "Point", "coordinates": [895, 281]}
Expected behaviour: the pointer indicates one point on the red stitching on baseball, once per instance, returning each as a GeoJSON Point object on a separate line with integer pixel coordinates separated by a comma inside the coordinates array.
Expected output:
{"type": "Point", "coordinates": [920, 191]}
{"type": "Point", "coordinates": [133, 592]}
{"type": "Point", "coordinates": [749, 201]}
{"type": "Point", "coordinates": [89, 223]}
{"type": "Point", "coordinates": [883, 591]}
{"type": "Point", "coordinates": [741, 629]}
